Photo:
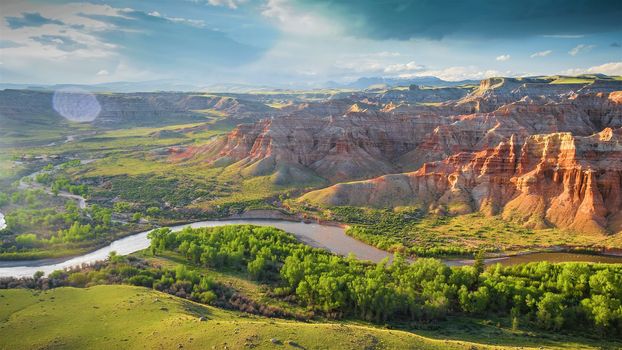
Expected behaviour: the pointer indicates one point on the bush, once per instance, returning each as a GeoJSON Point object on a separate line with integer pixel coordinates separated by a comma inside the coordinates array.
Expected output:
{"type": "Point", "coordinates": [141, 280]}
{"type": "Point", "coordinates": [27, 240]}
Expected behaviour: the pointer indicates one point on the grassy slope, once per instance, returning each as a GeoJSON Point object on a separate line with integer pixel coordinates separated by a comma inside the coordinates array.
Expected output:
{"type": "Point", "coordinates": [582, 79]}
{"type": "Point", "coordinates": [477, 230]}
{"type": "Point", "coordinates": [131, 317]}
{"type": "Point", "coordinates": [124, 140]}
{"type": "Point", "coordinates": [31, 130]}
{"type": "Point", "coordinates": [474, 230]}
{"type": "Point", "coordinates": [497, 332]}
{"type": "Point", "coordinates": [232, 278]}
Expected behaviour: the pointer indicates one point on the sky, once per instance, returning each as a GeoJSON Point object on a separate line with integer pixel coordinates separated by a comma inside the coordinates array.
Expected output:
{"type": "Point", "coordinates": [294, 42]}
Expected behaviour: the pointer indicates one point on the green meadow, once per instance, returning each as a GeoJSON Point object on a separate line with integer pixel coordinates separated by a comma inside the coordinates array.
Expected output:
{"type": "Point", "coordinates": [118, 317]}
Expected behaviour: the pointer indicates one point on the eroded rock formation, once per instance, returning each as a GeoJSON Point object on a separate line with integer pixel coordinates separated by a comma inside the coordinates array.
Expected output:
{"type": "Point", "coordinates": [336, 148]}
{"type": "Point", "coordinates": [539, 153]}
{"type": "Point", "coordinates": [548, 180]}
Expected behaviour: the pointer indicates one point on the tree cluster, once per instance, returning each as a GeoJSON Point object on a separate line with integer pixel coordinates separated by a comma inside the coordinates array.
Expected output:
{"type": "Point", "coordinates": [550, 296]}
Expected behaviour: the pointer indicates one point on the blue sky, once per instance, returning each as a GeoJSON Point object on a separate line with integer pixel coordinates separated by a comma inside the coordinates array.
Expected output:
{"type": "Point", "coordinates": [298, 42]}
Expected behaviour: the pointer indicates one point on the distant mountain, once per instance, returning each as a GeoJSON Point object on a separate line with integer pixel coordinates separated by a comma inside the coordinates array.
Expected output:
{"type": "Point", "coordinates": [142, 86]}
{"type": "Point", "coordinates": [371, 82]}
{"type": "Point", "coordinates": [178, 85]}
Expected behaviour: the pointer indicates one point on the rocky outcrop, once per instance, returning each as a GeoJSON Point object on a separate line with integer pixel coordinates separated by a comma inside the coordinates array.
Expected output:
{"type": "Point", "coordinates": [548, 180]}
{"type": "Point", "coordinates": [578, 114]}
{"type": "Point", "coordinates": [363, 142]}
{"type": "Point", "coordinates": [496, 92]}
{"type": "Point", "coordinates": [337, 148]}
{"type": "Point", "coordinates": [329, 107]}
{"type": "Point", "coordinates": [416, 94]}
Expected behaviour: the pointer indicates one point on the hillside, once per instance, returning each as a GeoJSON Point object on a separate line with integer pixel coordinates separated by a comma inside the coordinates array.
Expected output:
{"type": "Point", "coordinates": [134, 317]}
{"type": "Point", "coordinates": [492, 93]}
{"type": "Point", "coordinates": [120, 110]}
{"type": "Point", "coordinates": [545, 158]}
{"type": "Point", "coordinates": [548, 180]}
{"type": "Point", "coordinates": [541, 151]}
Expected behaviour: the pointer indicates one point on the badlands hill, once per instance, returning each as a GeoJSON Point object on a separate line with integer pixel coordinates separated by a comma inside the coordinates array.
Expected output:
{"type": "Point", "coordinates": [543, 151]}
{"type": "Point", "coordinates": [553, 165]}
{"type": "Point", "coordinates": [549, 179]}
{"type": "Point", "coordinates": [536, 150]}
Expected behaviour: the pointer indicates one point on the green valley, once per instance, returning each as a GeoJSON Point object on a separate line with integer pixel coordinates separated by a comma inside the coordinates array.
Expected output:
{"type": "Point", "coordinates": [295, 174]}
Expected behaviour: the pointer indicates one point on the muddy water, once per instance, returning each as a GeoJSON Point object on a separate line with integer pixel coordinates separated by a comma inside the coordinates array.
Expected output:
{"type": "Point", "coordinates": [332, 238]}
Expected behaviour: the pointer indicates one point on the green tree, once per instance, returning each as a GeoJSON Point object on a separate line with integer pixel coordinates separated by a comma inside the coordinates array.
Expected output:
{"type": "Point", "coordinates": [550, 311]}
{"type": "Point", "coordinates": [479, 262]}
{"type": "Point", "coordinates": [603, 311]}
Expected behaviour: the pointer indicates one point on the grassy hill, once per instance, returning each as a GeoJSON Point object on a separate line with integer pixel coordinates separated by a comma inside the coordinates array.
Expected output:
{"type": "Point", "coordinates": [116, 317]}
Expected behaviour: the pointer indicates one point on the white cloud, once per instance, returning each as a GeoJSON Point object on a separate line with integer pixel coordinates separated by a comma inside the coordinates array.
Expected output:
{"type": "Point", "coordinates": [560, 36]}
{"type": "Point", "coordinates": [402, 67]}
{"type": "Point", "coordinates": [459, 73]}
{"type": "Point", "coordinates": [293, 21]}
{"type": "Point", "coordinates": [192, 22]}
{"type": "Point", "coordinates": [232, 4]}
{"type": "Point", "coordinates": [360, 66]}
{"type": "Point", "coordinates": [503, 58]}
{"type": "Point", "coordinates": [40, 56]}
{"type": "Point", "coordinates": [375, 64]}
{"type": "Point", "coordinates": [387, 54]}
{"type": "Point", "coordinates": [541, 53]}
{"type": "Point", "coordinates": [611, 68]}
{"type": "Point", "coordinates": [76, 27]}
{"type": "Point", "coordinates": [581, 48]}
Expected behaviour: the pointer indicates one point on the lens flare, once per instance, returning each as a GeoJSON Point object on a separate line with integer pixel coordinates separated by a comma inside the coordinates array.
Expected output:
{"type": "Point", "coordinates": [76, 104]}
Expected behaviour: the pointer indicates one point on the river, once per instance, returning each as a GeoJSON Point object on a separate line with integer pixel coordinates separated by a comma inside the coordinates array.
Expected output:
{"type": "Point", "coordinates": [332, 238]}
{"type": "Point", "coordinates": [32, 184]}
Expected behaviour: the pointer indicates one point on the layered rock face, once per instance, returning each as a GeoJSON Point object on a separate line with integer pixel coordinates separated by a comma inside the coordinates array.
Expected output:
{"type": "Point", "coordinates": [538, 153]}
{"type": "Point", "coordinates": [364, 143]}
{"type": "Point", "coordinates": [578, 114]}
{"type": "Point", "coordinates": [496, 92]}
{"type": "Point", "coordinates": [416, 94]}
{"type": "Point", "coordinates": [352, 146]}
{"type": "Point", "coordinates": [548, 180]}
{"type": "Point", "coordinates": [329, 107]}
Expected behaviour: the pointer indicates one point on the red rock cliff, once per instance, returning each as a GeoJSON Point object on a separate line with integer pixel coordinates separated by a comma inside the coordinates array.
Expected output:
{"type": "Point", "coordinates": [549, 180]}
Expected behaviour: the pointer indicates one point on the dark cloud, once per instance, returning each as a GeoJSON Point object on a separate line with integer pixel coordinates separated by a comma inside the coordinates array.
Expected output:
{"type": "Point", "coordinates": [7, 44]}
{"type": "Point", "coordinates": [435, 19]}
{"type": "Point", "coordinates": [61, 42]}
{"type": "Point", "coordinates": [161, 42]}
{"type": "Point", "coordinates": [29, 19]}
{"type": "Point", "coordinates": [616, 44]}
